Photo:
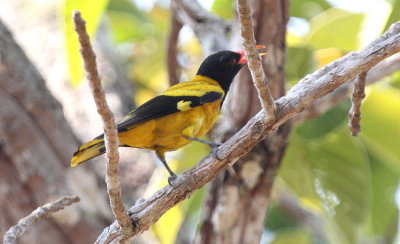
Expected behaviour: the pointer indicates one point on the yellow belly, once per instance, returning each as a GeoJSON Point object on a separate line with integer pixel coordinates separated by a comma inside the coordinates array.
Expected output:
{"type": "Point", "coordinates": [166, 133]}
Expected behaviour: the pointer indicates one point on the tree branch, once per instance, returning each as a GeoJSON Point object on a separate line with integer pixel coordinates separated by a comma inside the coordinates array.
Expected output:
{"type": "Point", "coordinates": [212, 30]}
{"type": "Point", "coordinates": [254, 60]}
{"type": "Point", "coordinates": [381, 70]}
{"type": "Point", "coordinates": [172, 52]}
{"type": "Point", "coordinates": [110, 129]}
{"type": "Point", "coordinates": [355, 110]}
{"type": "Point", "coordinates": [238, 199]}
{"type": "Point", "coordinates": [10, 237]}
{"type": "Point", "coordinates": [312, 87]}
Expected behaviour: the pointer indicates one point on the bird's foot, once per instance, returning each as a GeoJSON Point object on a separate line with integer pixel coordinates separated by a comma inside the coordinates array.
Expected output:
{"type": "Point", "coordinates": [214, 150]}
{"type": "Point", "coordinates": [171, 179]}
{"type": "Point", "coordinates": [214, 145]}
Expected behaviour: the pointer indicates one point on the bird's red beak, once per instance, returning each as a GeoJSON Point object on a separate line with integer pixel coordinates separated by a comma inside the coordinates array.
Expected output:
{"type": "Point", "coordinates": [243, 58]}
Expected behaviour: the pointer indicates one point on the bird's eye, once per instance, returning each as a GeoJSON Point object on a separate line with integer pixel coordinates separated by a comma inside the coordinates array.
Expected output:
{"type": "Point", "coordinates": [232, 61]}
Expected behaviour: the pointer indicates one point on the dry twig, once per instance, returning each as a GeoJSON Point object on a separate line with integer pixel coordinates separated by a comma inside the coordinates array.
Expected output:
{"type": "Point", "coordinates": [172, 52]}
{"type": "Point", "coordinates": [110, 129]}
{"type": "Point", "coordinates": [312, 87]}
{"type": "Point", "coordinates": [40, 213]}
{"type": "Point", "coordinates": [355, 110]}
{"type": "Point", "coordinates": [254, 60]}
{"type": "Point", "coordinates": [381, 70]}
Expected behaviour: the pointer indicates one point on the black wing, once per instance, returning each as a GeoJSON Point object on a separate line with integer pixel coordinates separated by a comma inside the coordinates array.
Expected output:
{"type": "Point", "coordinates": [163, 105]}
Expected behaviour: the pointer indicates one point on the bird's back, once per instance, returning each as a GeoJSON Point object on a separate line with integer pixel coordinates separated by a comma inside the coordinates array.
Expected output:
{"type": "Point", "coordinates": [165, 133]}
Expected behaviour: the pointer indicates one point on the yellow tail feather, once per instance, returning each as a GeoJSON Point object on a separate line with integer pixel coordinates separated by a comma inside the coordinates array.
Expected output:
{"type": "Point", "coordinates": [87, 151]}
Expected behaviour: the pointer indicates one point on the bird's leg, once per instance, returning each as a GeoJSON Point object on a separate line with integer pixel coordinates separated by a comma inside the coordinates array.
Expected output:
{"type": "Point", "coordinates": [172, 176]}
{"type": "Point", "coordinates": [214, 146]}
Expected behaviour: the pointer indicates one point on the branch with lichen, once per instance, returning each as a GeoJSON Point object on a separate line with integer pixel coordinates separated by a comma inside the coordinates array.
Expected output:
{"type": "Point", "coordinates": [10, 237]}
{"type": "Point", "coordinates": [254, 60]}
{"type": "Point", "coordinates": [110, 129]}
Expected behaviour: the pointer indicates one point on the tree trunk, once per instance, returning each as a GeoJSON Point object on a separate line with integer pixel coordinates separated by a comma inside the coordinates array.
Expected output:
{"type": "Point", "coordinates": [36, 143]}
{"type": "Point", "coordinates": [237, 201]}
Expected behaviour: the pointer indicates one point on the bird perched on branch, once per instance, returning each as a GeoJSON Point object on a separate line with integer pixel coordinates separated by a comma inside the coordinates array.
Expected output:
{"type": "Point", "coordinates": [181, 114]}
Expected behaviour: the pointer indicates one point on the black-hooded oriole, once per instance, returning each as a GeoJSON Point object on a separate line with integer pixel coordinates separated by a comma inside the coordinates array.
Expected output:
{"type": "Point", "coordinates": [181, 114]}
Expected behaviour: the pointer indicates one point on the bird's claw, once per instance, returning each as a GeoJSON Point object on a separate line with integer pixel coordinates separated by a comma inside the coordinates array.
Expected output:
{"type": "Point", "coordinates": [171, 179]}
{"type": "Point", "coordinates": [214, 150]}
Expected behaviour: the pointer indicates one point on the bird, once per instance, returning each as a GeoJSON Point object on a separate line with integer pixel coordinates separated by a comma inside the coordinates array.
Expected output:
{"type": "Point", "coordinates": [181, 114]}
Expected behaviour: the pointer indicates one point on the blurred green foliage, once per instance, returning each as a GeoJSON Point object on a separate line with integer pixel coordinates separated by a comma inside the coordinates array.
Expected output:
{"type": "Point", "coordinates": [223, 8]}
{"type": "Point", "coordinates": [348, 183]}
{"type": "Point", "coordinates": [395, 14]}
{"type": "Point", "coordinates": [325, 123]}
{"type": "Point", "coordinates": [308, 9]}
{"type": "Point", "coordinates": [92, 13]}
{"type": "Point", "coordinates": [327, 30]}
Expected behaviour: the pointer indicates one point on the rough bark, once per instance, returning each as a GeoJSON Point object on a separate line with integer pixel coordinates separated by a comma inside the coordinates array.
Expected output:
{"type": "Point", "coordinates": [35, 147]}
{"type": "Point", "coordinates": [237, 202]}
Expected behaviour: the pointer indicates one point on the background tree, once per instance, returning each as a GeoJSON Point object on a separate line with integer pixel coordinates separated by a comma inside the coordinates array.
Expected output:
{"type": "Point", "coordinates": [331, 188]}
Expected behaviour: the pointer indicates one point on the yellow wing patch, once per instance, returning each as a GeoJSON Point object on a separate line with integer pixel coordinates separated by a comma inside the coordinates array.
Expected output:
{"type": "Point", "coordinates": [183, 105]}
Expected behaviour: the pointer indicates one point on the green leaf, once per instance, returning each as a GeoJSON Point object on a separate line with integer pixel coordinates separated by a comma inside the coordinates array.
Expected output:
{"type": "Point", "coordinates": [395, 80]}
{"type": "Point", "coordinates": [92, 13]}
{"type": "Point", "coordinates": [336, 28]}
{"type": "Point", "coordinates": [126, 6]}
{"type": "Point", "coordinates": [384, 214]}
{"type": "Point", "coordinates": [278, 219]}
{"type": "Point", "coordinates": [380, 124]}
{"type": "Point", "coordinates": [127, 22]}
{"type": "Point", "coordinates": [128, 27]}
{"type": "Point", "coordinates": [343, 182]}
{"type": "Point", "coordinates": [300, 62]}
{"type": "Point", "coordinates": [333, 173]}
{"type": "Point", "coordinates": [395, 15]}
{"type": "Point", "coordinates": [290, 236]}
{"type": "Point", "coordinates": [223, 8]}
{"type": "Point", "coordinates": [324, 123]}
{"type": "Point", "coordinates": [296, 170]}
{"type": "Point", "coordinates": [308, 9]}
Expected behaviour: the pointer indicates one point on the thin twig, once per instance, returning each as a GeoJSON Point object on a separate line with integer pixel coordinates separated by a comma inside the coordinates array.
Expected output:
{"type": "Point", "coordinates": [110, 129]}
{"type": "Point", "coordinates": [254, 60]}
{"type": "Point", "coordinates": [375, 74]}
{"type": "Point", "coordinates": [172, 52]}
{"type": "Point", "coordinates": [355, 110]}
{"type": "Point", "coordinates": [40, 213]}
{"type": "Point", "coordinates": [312, 87]}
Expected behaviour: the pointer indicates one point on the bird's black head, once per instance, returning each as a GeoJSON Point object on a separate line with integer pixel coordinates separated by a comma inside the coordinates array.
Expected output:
{"type": "Point", "coordinates": [222, 67]}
